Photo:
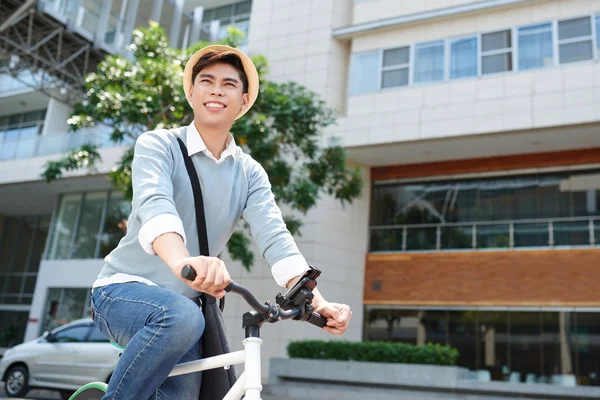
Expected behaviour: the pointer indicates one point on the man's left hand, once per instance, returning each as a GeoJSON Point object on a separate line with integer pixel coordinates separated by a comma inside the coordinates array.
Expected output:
{"type": "Point", "coordinates": [338, 316]}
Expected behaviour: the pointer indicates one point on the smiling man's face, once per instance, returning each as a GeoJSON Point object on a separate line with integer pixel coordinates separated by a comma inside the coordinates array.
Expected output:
{"type": "Point", "coordinates": [217, 95]}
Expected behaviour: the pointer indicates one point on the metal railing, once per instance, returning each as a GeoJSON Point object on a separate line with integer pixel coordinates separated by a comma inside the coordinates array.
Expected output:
{"type": "Point", "coordinates": [480, 235]}
{"type": "Point", "coordinates": [39, 146]}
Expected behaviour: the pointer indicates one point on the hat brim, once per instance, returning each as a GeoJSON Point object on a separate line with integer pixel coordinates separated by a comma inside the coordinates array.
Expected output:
{"type": "Point", "coordinates": [249, 69]}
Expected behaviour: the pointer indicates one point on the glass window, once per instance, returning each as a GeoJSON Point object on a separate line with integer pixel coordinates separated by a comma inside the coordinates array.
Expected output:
{"type": "Point", "coordinates": [429, 62]}
{"type": "Point", "coordinates": [365, 73]}
{"type": "Point", "coordinates": [64, 227]}
{"type": "Point", "coordinates": [84, 230]}
{"type": "Point", "coordinates": [243, 8]}
{"type": "Point", "coordinates": [493, 347]}
{"type": "Point", "coordinates": [12, 327]}
{"type": "Point", "coordinates": [598, 33]}
{"type": "Point", "coordinates": [535, 46]}
{"type": "Point", "coordinates": [114, 228]}
{"type": "Point", "coordinates": [479, 213]}
{"type": "Point", "coordinates": [223, 12]}
{"type": "Point", "coordinates": [575, 40]}
{"type": "Point", "coordinates": [10, 235]}
{"type": "Point", "coordinates": [391, 325]}
{"type": "Point", "coordinates": [64, 305]}
{"type": "Point", "coordinates": [96, 336]}
{"type": "Point", "coordinates": [462, 335]}
{"type": "Point", "coordinates": [74, 334]}
{"type": "Point", "coordinates": [89, 225]}
{"type": "Point", "coordinates": [396, 64]}
{"type": "Point", "coordinates": [496, 52]}
{"type": "Point", "coordinates": [463, 58]}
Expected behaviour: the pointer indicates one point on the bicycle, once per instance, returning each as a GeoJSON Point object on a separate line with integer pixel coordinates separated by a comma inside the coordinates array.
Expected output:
{"type": "Point", "coordinates": [295, 304]}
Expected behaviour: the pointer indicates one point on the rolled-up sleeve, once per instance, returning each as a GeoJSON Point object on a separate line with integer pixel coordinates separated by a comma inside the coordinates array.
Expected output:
{"type": "Point", "coordinates": [151, 172]}
{"type": "Point", "coordinates": [268, 228]}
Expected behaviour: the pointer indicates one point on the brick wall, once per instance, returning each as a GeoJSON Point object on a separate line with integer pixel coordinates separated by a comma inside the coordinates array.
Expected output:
{"type": "Point", "coordinates": [503, 278]}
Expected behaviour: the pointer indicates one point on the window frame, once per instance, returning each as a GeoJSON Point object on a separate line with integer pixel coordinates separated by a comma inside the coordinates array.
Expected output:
{"type": "Point", "coordinates": [352, 72]}
{"type": "Point", "coordinates": [448, 56]}
{"type": "Point", "coordinates": [553, 31]}
{"type": "Point", "coordinates": [383, 69]}
{"type": "Point", "coordinates": [579, 39]}
{"type": "Point", "coordinates": [507, 50]}
{"type": "Point", "coordinates": [595, 33]}
{"type": "Point", "coordinates": [85, 325]}
{"type": "Point", "coordinates": [514, 50]}
{"type": "Point", "coordinates": [444, 43]}
{"type": "Point", "coordinates": [48, 252]}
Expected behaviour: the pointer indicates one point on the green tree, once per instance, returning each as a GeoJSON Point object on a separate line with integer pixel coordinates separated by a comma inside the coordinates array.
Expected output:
{"type": "Point", "coordinates": [282, 131]}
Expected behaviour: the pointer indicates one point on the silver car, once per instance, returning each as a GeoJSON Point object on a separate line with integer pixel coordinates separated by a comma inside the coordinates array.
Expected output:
{"type": "Point", "coordinates": [63, 359]}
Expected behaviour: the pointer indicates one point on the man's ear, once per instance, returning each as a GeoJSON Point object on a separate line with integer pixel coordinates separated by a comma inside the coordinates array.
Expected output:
{"type": "Point", "coordinates": [245, 100]}
{"type": "Point", "coordinates": [190, 91]}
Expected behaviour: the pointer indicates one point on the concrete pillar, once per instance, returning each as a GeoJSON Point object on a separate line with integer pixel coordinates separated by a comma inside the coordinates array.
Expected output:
{"type": "Point", "coordinates": [214, 30]}
{"type": "Point", "coordinates": [566, 366]}
{"type": "Point", "coordinates": [130, 18]}
{"type": "Point", "coordinates": [102, 23]}
{"type": "Point", "coordinates": [56, 118]}
{"type": "Point", "coordinates": [156, 10]}
{"type": "Point", "coordinates": [421, 331]}
{"type": "Point", "coordinates": [196, 25]}
{"type": "Point", "coordinates": [176, 23]}
{"type": "Point", "coordinates": [490, 346]}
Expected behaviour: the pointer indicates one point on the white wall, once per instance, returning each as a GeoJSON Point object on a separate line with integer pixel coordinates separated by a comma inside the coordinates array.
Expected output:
{"type": "Point", "coordinates": [372, 10]}
{"type": "Point", "coordinates": [29, 169]}
{"type": "Point", "coordinates": [56, 118]}
{"type": "Point", "coordinates": [564, 95]}
{"type": "Point", "coordinates": [560, 95]}
{"type": "Point", "coordinates": [295, 35]}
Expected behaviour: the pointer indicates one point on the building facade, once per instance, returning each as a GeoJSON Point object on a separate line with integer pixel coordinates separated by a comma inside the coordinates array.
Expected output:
{"type": "Point", "coordinates": [476, 123]}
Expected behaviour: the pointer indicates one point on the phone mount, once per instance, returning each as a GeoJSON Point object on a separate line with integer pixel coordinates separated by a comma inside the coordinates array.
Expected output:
{"type": "Point", "coordinates": [300, 295]}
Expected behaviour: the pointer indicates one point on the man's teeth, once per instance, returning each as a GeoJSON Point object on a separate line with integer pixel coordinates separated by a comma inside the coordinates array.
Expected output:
{"type": "Point", "coordinates": [215, 105]}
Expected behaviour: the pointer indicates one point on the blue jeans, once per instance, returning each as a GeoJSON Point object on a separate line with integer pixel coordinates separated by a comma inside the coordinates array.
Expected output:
{"type": "Point", "coordinates": [159, 329]}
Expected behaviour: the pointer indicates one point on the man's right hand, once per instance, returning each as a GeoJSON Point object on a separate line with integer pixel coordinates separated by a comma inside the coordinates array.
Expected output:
{"type": "Point", "coordinates": [212, 276]}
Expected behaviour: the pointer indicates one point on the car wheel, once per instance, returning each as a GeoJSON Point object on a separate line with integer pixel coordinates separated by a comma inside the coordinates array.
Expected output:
{"type": "Point", "coordinates": [17, 381]}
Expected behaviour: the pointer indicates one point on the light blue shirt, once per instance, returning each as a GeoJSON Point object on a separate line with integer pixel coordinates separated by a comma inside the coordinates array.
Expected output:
{"type": "Point", "coordinates": [233, 187]}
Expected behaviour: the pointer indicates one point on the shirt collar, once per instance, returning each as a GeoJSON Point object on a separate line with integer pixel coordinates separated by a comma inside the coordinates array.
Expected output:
{"type": "Point", "coordinates": [195, 144]}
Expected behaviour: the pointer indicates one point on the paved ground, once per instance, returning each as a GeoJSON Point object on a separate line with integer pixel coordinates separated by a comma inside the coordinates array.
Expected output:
{"type": "Point", "coordinates": [34, 394]}
{"type": "Point", "coordinates": [50, 395]}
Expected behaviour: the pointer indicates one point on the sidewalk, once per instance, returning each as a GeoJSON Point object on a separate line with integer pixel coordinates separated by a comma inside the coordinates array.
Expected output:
{"type": "Point", "coordinates": [51, 395]}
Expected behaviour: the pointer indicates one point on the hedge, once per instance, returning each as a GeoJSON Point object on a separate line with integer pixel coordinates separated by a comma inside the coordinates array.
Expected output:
{"type": "Point", "coordinates": [387, 352]}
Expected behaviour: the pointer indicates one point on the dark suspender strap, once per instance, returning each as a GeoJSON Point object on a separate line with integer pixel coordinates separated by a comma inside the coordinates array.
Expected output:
{"type": "Point", "coordinates": [198, 202]}
{"type": "Point", "coordinates": [200, 217]}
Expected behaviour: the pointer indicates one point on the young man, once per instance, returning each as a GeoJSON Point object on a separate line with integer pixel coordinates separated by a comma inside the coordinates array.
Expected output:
{"type": "Point", "coordinates": [139, 299]}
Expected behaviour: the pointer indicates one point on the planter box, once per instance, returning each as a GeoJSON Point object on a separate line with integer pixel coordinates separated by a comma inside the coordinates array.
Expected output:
{"type": "Point", "coordinates": [309, 379]}
{"type": "Point", "coordinates": [366, 373]}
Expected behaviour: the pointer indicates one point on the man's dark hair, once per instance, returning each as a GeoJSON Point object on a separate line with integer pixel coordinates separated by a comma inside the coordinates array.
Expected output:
{"type": "Point", "coordinates": [224, 57]}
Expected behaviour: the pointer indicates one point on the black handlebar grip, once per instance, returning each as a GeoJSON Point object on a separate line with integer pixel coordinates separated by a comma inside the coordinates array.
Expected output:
{"type": "Point", "coordinates": [187, 272]}
{"type": "Point", "coordinates": [317, 320]}
{"type": "Point", "coordinates": [229, 287]}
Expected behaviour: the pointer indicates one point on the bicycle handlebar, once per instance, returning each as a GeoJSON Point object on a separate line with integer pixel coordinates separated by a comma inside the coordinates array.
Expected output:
{"type": "Point", "coordinates": [313, 318]}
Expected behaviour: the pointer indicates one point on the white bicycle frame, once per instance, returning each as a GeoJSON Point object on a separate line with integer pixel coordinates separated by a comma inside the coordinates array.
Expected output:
{"type": "Point", "coordinates": [248, 383]}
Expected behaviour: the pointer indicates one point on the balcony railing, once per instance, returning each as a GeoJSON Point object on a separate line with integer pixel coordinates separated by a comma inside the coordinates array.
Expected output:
{"type": "Point", "coordinates": [485, 235]}
{"type": "Point", "coordinates": [39, 146]}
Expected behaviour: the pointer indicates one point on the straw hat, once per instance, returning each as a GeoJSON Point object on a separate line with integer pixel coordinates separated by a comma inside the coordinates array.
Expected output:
{"type": "Point", "coordinates": [247, 63]}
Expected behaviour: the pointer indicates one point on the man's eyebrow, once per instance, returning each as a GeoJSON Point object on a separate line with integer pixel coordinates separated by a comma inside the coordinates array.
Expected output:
{"type": "Point", "coordinates": [213, 77]}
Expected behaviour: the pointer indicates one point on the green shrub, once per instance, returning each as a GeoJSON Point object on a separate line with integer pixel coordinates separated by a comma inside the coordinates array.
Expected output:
{"type": "Point", "coordinates": [388, 352]}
